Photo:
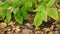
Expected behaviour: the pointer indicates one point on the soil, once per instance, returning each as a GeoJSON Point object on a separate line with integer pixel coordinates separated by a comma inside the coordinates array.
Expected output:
{"type": "Point", "coordinates": [50, 27]}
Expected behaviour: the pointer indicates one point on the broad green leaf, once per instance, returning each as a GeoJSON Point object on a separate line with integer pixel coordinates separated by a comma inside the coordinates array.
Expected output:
{"type": "Point", "coordinates": [24, 13]}
{"type": "Point", "coordinates": [18, 18]}
{"type": "Point", "coordinates": [4, 5]}
{"type": "Point", "coordinates": [23, 1]}
{"type": "Point", "coordinates": [16, 10]}
{"type": "Point", "coordinates": [29, 9]}
{"type": "Point", "coordinates": [45, 1]}
{"type": "Point", "coordinates": [52, 12]}
{"type": "Point", "coordinates": [14, 3]}
{"type": "Point", "coordinates": [8, 16]}
{"type": "Point", "coordinates": [39, 8]}
{"type": "Point", "coordinates": [50, 3]}
{"type": "Point", "coordinates": [28, 4]}
{"type": "Point", "coordinates": [34, 1]}
{"type": "Point", "coordinates": [38, 19]}
{"type": "Point", "coordinates": [1, 3]}
{"type": "Point", "coordinates": [2, 14]}
{"type": "Point", "coordinates": [44, 15]}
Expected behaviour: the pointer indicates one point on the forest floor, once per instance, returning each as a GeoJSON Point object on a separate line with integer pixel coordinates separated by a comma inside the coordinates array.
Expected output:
{"type": "Point", "coordinates": [50, 27]}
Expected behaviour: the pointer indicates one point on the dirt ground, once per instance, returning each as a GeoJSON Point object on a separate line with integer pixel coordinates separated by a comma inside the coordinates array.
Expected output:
{"type": "Point", "coordinates": [50, 27]}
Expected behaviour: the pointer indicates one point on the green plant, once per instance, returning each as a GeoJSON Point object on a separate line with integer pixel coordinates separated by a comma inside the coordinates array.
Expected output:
{"type": "Point", "coordinates": [20, 9]}
{"type": "Point", "coordinates": [43, 10]}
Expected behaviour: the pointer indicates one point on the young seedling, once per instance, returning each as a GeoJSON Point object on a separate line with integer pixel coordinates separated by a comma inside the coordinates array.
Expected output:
{"type": "Point", "coordinates": [43, 10]}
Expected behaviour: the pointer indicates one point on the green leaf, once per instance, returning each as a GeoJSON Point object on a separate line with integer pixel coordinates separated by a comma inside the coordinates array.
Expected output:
{"type": "Point", "coordinates": [24, 13]}
{"type": "Point", "coordinates": [39, 8]}
{"type": "Point", "coordinates": [4, 5]}
{"type": "Point", "coordinates": [2, 14]}
{"type": "Point", "coordinates": [18, 18]}
{"type": "Point", "coordinates": [14, 3]}
{"type": "Point", "coordinates": [1, 3]}
{"type": "Point", "coordinates": [38, 19]}
{"type": "Point", "coordinates": [8, 16]}
{"type": "Point", "coordinates": [29, 9]}
{"type": "Point", "coordinates": [45, 1]}
{"type": "Point", "coordinates": [50, 3]}
{"type": "Point", "coordinates": [34, 1]}
{"type": "Point", "coordinates": [44, 15]}
{"type": "Point", "coordinates": [28, 4]}
{"type": "Point", "coordinates": [15, 10]}
{"type": "Point", "coordinates": [52, 12]}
